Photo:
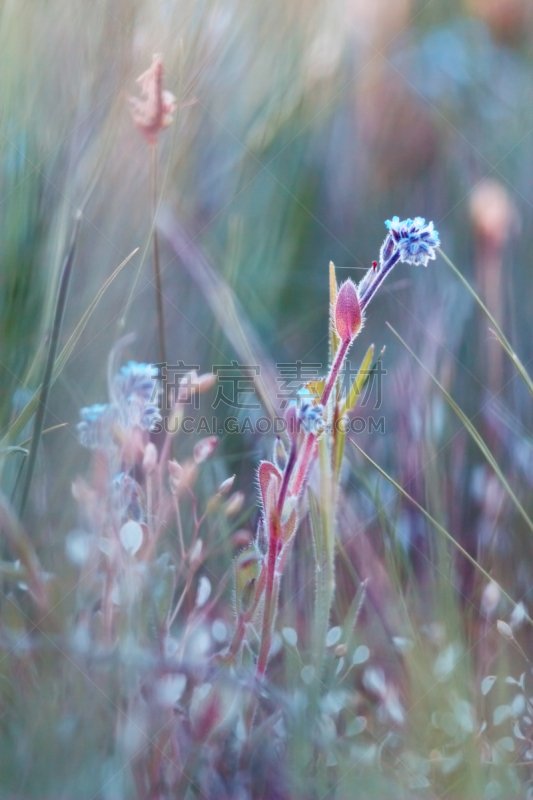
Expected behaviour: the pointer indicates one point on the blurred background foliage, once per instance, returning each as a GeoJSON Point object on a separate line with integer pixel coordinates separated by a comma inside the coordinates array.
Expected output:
{"type": "Point", "coordinates": [301, 127]}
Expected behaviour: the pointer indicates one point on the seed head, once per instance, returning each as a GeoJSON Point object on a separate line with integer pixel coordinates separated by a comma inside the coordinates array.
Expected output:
{"type": "Point", "coordinates": [492, 212]}
{"type": "Point", "coordinates": [153, 112]}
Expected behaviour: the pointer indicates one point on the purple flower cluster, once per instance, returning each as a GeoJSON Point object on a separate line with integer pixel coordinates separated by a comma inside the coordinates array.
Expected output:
{"type": "Point", "coordinates": [414, 240]}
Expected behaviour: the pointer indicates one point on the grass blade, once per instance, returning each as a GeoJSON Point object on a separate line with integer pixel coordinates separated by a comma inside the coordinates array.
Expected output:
{"type": "Point", "coordinates": [50, 361]}
{"type": "Point", "coordinates": [473, 433]}
{"type": "Point", "coordinates": [29, 409]}
{"type": "Point", "coordinates": [496, 330]}
{"type": "Point", "coordinates": [437, 526]}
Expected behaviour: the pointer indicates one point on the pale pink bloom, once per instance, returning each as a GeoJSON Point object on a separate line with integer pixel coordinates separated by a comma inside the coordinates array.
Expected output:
{"type": "Point", "coordinates": [153, 111]}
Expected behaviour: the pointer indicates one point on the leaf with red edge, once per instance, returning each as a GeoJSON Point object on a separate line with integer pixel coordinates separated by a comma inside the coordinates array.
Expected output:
{"type": "Point", "coordinates": [265, 473]}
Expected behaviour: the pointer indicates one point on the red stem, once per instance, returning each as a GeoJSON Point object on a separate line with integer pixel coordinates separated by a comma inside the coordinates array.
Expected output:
{"type": "Point", "coordinates": [334, 371]}
{"type": "Point", "coordinates": [268, 614]}
{"type": "Point", "coordinates": [303, 466]}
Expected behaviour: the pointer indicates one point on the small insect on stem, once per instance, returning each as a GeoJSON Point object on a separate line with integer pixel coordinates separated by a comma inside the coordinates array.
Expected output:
{"type": "Point", "coordinates": [374, 265]}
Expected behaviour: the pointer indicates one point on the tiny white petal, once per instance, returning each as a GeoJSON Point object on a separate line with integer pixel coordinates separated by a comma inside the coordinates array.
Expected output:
{"type": "Point", "coordinates": [131, 536]}
{"type": "Point", "coordinates": [361, 654]}
{"type": "Point", "coordinates": [290, 636]}
{"type": "Point", "coordinates": [204, 591]}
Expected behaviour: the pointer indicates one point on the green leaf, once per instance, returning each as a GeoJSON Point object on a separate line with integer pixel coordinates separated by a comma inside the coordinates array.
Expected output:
{"type": "Point", "coordinates": [247, 568]}
{"type": "Point", "coordinates": [359, 382]}
{"type": "Point", "coordinates": [27, 412]}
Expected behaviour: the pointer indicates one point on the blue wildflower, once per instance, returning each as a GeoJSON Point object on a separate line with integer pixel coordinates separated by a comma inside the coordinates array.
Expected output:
{"type": "Point", "coordinates": [310, 413]}
{"type": "Point", "coordinates": [413, 238]}
{"type": "Point", "coordinates": [134, 403]}
{"type": "Point", "coordinates": [136, 391]}
{"type": "Point", "coordinates": [94, 422]}
{"type": "Point", "coordinates": [137, 379]}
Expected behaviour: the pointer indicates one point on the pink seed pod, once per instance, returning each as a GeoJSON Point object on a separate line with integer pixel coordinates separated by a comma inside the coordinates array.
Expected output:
{"type": "Point", "coordinates": [234, 504]}
{"type": "Point", "coordinates": [226, 485]}
{"type": "Point", "coordinates": [348, 315]}
{"type": "Point", "coordinates": [205, 382]}
{"type": "Point", "coordinates": [493, 213]}
{"type": "Point", "coordinates": [150, 458]}
{"type": "Point", "coordinates": [181, 477]}
{"type": "Point", "coordinates": [176, 470]}
{"type": "Point", "coordinates": [205, 449]}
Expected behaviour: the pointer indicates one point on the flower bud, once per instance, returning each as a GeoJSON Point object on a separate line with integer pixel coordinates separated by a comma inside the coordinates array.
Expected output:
{"type": "Point", "coordinates": [241, 538]}
{"type": "Point", "coordinates": [490, 598]}
{"type": "Point", "coordinates": [150, 458]}
{"type": "Point", "coordinates": [226, 485]}
{"type": "Point", "coordinates": [505, 630]}
{"type": "Point", "coordinates": [234, 504]}
{"type": "Point", "coordinates": [492, 212]}
{"type": "Point", "coordinates": [181, 477]}
{"type": "Point", "coordinates": [205, 382]}
{"type": "Point", "coordinates": [280, 455]}
{"type": "Point", "coordinates": [175, 470]}
{"type": "Point", "coordinates": [348, 316]}
{"type": "Point", "coordinates": [196, 552]}
{"type": "Point", "coordinates": [205, 448]}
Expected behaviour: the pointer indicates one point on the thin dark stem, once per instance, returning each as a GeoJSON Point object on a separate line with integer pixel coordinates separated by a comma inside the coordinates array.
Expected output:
{"type": "Point", "coordinates": [157, 266]}
{"type": "Point", "coordinates": [49, 365]}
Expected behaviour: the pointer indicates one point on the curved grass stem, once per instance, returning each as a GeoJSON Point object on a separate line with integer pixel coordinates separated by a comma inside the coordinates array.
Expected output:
{"type": "Point", "coordinates": [438, 526]}
{"type": "Point", "coordinates": [473, 433]}
{"type": "Point", "coordinates": [48, 375]}
{"type": "Point", "coordinates": [496, 328]}
{"type": "Point", "coordinates": [157, 265]}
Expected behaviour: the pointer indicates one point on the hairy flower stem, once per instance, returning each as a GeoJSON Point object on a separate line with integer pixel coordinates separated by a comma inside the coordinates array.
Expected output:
{"type": "Point", "coordinates": [287, 477]}
{"type": "Point", "coordinates": [371, 290]}
{"type": "Point", "coordinates": [270, 605]}
{"type": "Point", "coordinates": [334, 371]}
{"type": "Point", "coordinates": [157, 266]}
{"type": "Point", "coordinates": [325, 541]}
{"type": "Point", "coordinates": [298, 483]}
{"type": "Point", "coordinates": [304, 463]}
{"type": "Point", "coordinates": [245, 617]}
